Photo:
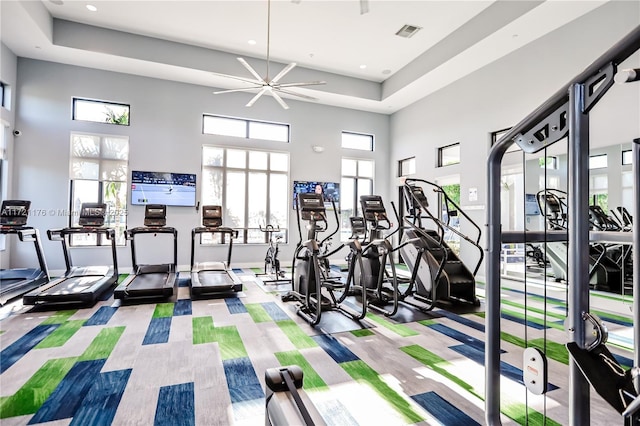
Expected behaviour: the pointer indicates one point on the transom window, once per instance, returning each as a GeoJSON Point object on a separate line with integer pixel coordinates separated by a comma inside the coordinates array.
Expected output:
{"type": "Point", "coordinates": [627, 157]}
{"type": "Point", "coordinates": [253, 187]}
{"type": "Point", "coordinates": [98, 173]}
{"type": "Point", "coordinates": [100, 111]}
{"type": "Point", "coordinates": [407, 167]}
{"type": "Point", "coordinates": [449, 155]}
{"type": "Point", "coordinates": [242, 128]}
{"type": "Point", "coordinates": [361, 141]}
{"type": "Point", "coordinates": [2, 94]}
{"type": "Point", "coordinates": [598, 161]}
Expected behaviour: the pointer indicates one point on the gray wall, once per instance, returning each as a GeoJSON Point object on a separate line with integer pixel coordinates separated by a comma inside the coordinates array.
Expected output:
{"type": "Point", "coordinates": [504, 92]}
{"type": "Point", "coordinates": [8, 71]}
{"type": "Point", "coordinates": [165, 135]}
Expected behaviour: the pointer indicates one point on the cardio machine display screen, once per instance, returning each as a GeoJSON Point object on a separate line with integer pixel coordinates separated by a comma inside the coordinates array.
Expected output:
{"type": "Point", "coordinates": [330, 192]}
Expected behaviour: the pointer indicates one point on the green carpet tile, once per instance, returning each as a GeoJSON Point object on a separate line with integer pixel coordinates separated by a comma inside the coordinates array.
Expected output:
{"type": "Point", "coordinates": [311, 378]}
{"type": "Point", "coordinates": [61, 335]}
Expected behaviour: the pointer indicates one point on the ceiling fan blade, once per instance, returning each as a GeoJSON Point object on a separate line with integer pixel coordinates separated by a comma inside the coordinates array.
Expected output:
{"type": "Point", "coordinates": [364, 6]}
{"type": "Point", "coordinates": [283, 72]}
{"type": "Point", "coordinates": [279, 100]}
{"type": "Point", "coordinates": [251, 70]}
{"type": "Point", "coordinates": [246, 89]}
{"type": "Point", "coordinates": [246, 80]}
{"type": "Point", "coordinates": [256, 97]}
{"type": "Point", "coordinates": [308, 83]}
{"type": "Point", "coordinates": [300, 95]}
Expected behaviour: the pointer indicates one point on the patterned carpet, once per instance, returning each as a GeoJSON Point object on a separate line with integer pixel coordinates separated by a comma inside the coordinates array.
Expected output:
{"type": "Point", "coordinates": [202, 362]}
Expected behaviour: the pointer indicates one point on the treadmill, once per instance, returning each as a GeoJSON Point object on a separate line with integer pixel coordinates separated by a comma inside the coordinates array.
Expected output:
{"type": "Point", "coordinates": [150, 281]}
{"type": "Point", "coordinates": [212, 278]}
{"type": "Point", "coordinates": [79, 284]}
{"type": "Point", "coordinates": [15, 282]}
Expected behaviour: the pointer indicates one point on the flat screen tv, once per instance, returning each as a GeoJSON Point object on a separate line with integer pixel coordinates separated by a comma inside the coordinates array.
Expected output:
{"type": "Point", "coordinates": [330, 191]}
{"type": "Point", "coordinates": [171, 189]}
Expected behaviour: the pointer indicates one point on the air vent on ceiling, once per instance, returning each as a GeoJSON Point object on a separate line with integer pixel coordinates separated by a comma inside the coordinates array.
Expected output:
{"type": "Point", "coordinates": [408, 31]}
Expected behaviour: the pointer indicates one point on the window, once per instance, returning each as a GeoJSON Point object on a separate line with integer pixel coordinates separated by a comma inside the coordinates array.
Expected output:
{"type": "Point", "coordinates": [495, 137]}
{"type": "Point", "coordinates": [453, 192]}
{"type": "Point", "coordinates": [2, 94]}
{"type": "Point", "coordinates": [598, 191]}
{"type": "Point", "coordinates": [407, 167]}
{"type": "Point", "coordinates": [253, 187]}
{"type": "Point", "coordinates": [627, 156]}
{"type": "Point", "coordinates": [550, 163]}
{"type": "Point", "coordinates": [448, 155]}
{"type": "Point", "coordinates": [241, 128]}
{"type": "Point", "coordinates": [357, 180]}
{"type": "Point", "coordinates": [598, 161]}
{"type": "Point", "coordinates": [100, 111]}
{"type": "Point", "coordinates": [4, 128]}
{"type": "Point", "coordinates": [98, 173]}
{"type": "Point", "coordinates": [627, 190]}
{"type": "Point", "coordinates": [359, 141]}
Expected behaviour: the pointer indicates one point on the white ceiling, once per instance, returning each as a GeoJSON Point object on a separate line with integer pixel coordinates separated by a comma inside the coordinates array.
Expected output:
{"type": "Point", "coordinates": [329, 40]}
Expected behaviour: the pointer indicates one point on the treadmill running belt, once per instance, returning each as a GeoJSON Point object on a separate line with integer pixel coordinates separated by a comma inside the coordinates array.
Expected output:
{"type": "Point", "coordinates": [215, 278]}
{"type": "Point", "coordinates": [72, 285]}
{"type": "Point", "coordinates": [148, 281]}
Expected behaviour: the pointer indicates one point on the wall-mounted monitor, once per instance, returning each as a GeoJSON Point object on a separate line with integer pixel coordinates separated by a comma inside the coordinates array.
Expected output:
{"type": "Point", "coordinates": [330, 191]}
{"type": "Point", "coordinates": [531, 207]}
{"type": "Point", "coordinates": [171, 189]}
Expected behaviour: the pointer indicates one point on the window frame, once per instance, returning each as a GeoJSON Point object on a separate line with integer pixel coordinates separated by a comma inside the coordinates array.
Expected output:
{"type": "Point", "coordinates": [369, 136]}
{"type": "Point", "coordinates": [104, 103]}
{"type": "Point", "coordinates": [356, 178]}
{"type": "Point", "coordinates": [441, 151]}
{"type": "Point", "coordinates": [243, 236]}
{"type": "Point", "coordinates": [2, 94]}
{"type": "Point", "coordinates": [247, 131]}
{"type": "Point", "coordinates": [411, 161]}
{"type": "Point", "coordinates": [629, 152]}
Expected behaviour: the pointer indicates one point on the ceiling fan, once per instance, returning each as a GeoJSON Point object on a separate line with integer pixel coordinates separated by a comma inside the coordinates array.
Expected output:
{"type": "Point", "coordinates": [266, 84]}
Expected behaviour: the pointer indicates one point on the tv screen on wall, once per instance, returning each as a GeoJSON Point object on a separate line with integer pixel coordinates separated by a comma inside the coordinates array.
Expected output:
{"type": "Point", "coordinates": [171, 189]}
{"type": "Point", "coordinates": [330, 191]}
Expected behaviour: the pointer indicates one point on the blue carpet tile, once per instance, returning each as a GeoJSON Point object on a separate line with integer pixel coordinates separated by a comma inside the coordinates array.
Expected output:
{"type": "Point", "coordinates": [442, 410]}
{"type": "Point", "coordinates": [242, 380]}
{"type": "Point", "coordinates": [522, 321]}
{"type": "Point", "coordinates": [507, 370]}
{"type": "Point", "coordinates": [101, 316]}
{"type": "Point", "coordinates": [158, 331]}
{"type": "Point", "coordinates": [275, 312]}
{"type": "Point", "coordinates": [12, 353]}
{"type": "Point", "coordinates": [68, 395]}
{"type": "Point", "coordinates": [462, 320]}
{"type": "Point", "coordinates": [235, 305]}
{"type": "Point", "coordinates": [182, 307]}
{"type": "Point", "coordinates": [334, 348]}
{"type": "Point", "coordinates": [100, 405]}
{"type": "Point", "coordinates": [459, 336]}
{"type": "Point", "coordinates": [184, 282]}
{"type": "Point", "coordinates": [176, 406]}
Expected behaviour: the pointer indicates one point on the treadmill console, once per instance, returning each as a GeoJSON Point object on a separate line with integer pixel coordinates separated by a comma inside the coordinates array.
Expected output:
{"type": "Point", "coordinates": [312, 206]}
{"type": "Point", "coordinates": [92, 214]}
{"type": "Point", "coordinates": [212, 216]}
{"type": "Point", "coordinates": [14, 213]}
{"type": "Point", "coordinates": [155, 215]}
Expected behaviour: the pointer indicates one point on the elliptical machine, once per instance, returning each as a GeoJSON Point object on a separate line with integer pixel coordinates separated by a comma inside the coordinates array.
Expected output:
{"type": "Point", "coordinates": [314, 287]}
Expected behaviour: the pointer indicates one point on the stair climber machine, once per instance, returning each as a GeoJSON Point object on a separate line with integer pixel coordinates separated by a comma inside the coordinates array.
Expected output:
{"type": "Point", "coordinates": [213, 278]}
{"type": "Point", "coordinates": [438, 273]}
{"type": "Point", "coordinates": [314, 286]}
{"type": "Point", "coordinates": [377, 272]}
{"type": "Point", "coordinates": [604, 274]}
{"type": "Point", "coordinates": [79, 284]}
{"type": "Point", "coordinates": [150, 281]}
{"type": "Point", "coordinates": [286, 402]}
{"type": "Point", "coordinates": [17, 281]}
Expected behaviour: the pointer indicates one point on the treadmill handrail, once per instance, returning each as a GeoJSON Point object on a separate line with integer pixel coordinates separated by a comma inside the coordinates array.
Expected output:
{"type": "Point", "coordinates": [213, 230]}
{"type": "Point", "coordinates": [132, 232]}
{"type": "Point", "coordinates": [62, 234]}
{"type": "Point", "coordinates": [29, 234]}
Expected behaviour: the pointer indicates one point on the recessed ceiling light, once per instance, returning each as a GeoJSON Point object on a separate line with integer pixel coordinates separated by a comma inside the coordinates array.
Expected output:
{"type": "Point", "coordinates": [251, 42]}
{"type": "Point", "coordinates": [92, 8]}
{"type": "Point", "coordinates": [57, 2]}
{"type": "Point", "coordinates": [363, 66]}
{"type": "Point", "coordinates": [385, 72]}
